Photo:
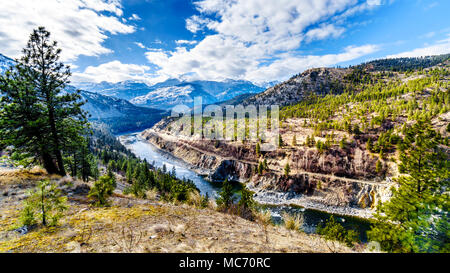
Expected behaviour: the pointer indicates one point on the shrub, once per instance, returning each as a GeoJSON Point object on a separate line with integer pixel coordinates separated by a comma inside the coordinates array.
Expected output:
{"type": "Point", "coordinates": [180, 192]}
{"type": "Point", "coordinates": [45, 202]}
{"type": "Point", "coordinates": [264, 219]}
{"type": "Point", "coordinates": [226, 197]}
{"type": "Point", "coordinates": [195, 199]}
{"type": "Point", "coordinates": [287, 170]}
{"type": "Point", "coordinates": [246, 204]}
{"type": "Point", "coordinates": [333, 231]}
{"type": "Point", "coordinates": [205, 201]}
{"type": "Point", "coordinates": [152, 194]}
{"type": "Point", "coordinates": [292, 222]}
{"type": "Point", "coordinates": [102, 188]}
{"type": "Point", "coordinates": [294, 141]}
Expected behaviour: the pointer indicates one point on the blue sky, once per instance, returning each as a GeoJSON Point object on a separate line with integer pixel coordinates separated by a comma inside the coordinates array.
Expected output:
{"type": "Point", "coordinates": [256, 40]}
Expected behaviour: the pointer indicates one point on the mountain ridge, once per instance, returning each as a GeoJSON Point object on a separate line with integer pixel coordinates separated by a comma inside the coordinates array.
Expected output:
{"type": "Point", "coordinates": [164, 95]}
{"type": "Point", "coordinates": [118, 114]}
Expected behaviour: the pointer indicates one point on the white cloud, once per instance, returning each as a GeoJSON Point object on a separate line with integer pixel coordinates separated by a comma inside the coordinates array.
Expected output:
{"type": "Point", "coordinates": [196, 23]}
{"type": "Point", "coordinates": [260, 40]}
{"type": "Point", "coordinates": [181, 42]}
{"type": "Point", "coordinates": [114, 71]}
{"type": "Point", "coordinates": [134, 17]}
{"type": "Point", "coordinates": [323, 32]}
{"type": "Point", "coordinates": [441, 47]}
{"type": "Point", "coordinates": [283, 68]}
{"type": "Point", "coordinates": [140, 45]}
{"type": "Point", "coordinates": [80, 26]}
{"type": "Point", "coordinates": [157, 57]}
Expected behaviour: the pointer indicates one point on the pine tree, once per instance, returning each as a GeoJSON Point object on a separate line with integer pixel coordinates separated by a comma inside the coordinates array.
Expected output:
{"type": "Point", "coordinates": [246, 200]}
{"type": "Point", "coordinates": [129, 173]}
{"type": "Point", "coordinates": [246, 204]}
{"type": "Point", "coordinates": [287, 170]}
{"type": "Point", "coordinates": [37, 118]}
{"type": "Point", "coordinates": [85, 166]}
{"type": "Point", "coordinates": [280, 142]}
{"type": "Point", "coordinates": [226, 197]}
{"type": "Point", "coordinates": [378, 167]}
{"type": "Point", "coordinates": [356, 130]}
{"type": "Point", "coordinates": [333, 231]}
{"type": "Point", "coordinates": [260, 168]}
{"type": "Point", "coordinates": [102, 188]}
{"type": "Point", "coordinates": [94, 167]}
{"type": "Point", "coordinates": [415, 218]}
{"type": "Point", "coordinates": [45, 202]}
{"type": "Point", "coordinates": [258, 149]}
{"type": "Point", "coordinates": [369, 146]}
{"type": "Point", "coordinates": [343, 143]}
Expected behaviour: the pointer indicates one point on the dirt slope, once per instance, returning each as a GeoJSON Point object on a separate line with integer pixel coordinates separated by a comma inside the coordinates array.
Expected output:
{"type": "Point", "coordinates": [137, 225]}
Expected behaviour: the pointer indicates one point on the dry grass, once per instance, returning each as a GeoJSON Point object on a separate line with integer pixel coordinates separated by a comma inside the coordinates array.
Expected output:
{"type": "Point", "coordinates": [23, 176]}
{"type": "Point", "coordinates": [292, 222]}
{"type": "Point", "coordinates": [264, 219]}
{"type": "Point", "coordinates": [195, 199]}
{"type": "Point", "coordinates": [152, 194]}
{"type": "Point", "coordinates": [161, 228]}
{"type": "Point", "coordinates": [142, 225]}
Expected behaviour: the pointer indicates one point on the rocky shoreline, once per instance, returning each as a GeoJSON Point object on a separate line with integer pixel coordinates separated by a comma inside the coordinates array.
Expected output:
{"type": "Point", "coordinates": [277, 198]}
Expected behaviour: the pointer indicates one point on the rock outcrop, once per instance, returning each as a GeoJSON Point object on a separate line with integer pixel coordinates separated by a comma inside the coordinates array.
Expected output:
{"type": "Point", "coordinates": [320, 188]}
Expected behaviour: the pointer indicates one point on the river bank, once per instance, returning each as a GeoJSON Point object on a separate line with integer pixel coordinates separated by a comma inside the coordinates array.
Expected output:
{"type": "Point", "coordinates": [276, 198]}
{"type": "Point", "coordinates": [200, 176]}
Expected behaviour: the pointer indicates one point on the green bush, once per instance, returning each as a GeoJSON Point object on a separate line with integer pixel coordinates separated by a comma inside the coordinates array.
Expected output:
{"type": "Point", "coordinates": [333, 231]}
{"type": "Point", "coordinates": [226, 197]}
{"type": "Point", "coordinates": [103, 188]}
{"type": "Point", "coordinates": [246, 204]}
{"type": "Point", "coordinates": [45, 202]}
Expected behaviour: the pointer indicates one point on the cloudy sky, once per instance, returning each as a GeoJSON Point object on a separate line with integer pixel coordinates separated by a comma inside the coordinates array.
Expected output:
{"type": "Point", "coordinates": [255, 40]}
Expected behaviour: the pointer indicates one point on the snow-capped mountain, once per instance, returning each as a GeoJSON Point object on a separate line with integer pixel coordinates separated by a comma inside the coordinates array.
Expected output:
{"type": "Point", "coordinates": [171, 92]}
{"type": "Point", "coordinates": [125, 90]}
{"type": "Point", "coordinates": [119, 114]}
{"type": "Point", "coordinates": [5, 63]}
{"type": "Point", "coordinates": [167, 97]}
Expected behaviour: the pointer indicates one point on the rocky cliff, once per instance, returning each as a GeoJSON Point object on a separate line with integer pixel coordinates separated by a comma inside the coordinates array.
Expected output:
{"type": "Point", "coordinates": [316, 187]}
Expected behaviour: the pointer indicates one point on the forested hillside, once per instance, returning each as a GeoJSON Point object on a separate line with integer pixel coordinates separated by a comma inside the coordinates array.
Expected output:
{"type": "Point", "coordinates": [352, 138]}
{"type": "Point", "coordinates": [404, 64]}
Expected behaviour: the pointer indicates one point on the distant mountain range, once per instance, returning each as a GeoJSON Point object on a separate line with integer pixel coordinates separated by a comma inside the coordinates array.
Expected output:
{"type": "Point", "coordinates": [5, 63]}
{"type": "Point", "coordinates": [165, 95]}
{"type": "Point", "coordinates": [118, 114]}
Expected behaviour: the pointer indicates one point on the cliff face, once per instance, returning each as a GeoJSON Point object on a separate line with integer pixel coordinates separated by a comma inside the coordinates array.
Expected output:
{"type": "Point", "coordinates": [325, 191]}
{"type": "Point", "coordinates": [316, 180]}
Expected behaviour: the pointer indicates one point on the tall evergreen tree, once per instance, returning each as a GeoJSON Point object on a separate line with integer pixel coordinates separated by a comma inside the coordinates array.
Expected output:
{"type": "Point", "coordinates": [226, 196]}
{"type": "Point", "coordinates": [287, 170]}
{"type": "Point", "coordinates": [416, 218]}
{"type": "Point", "coordinates": [36, 116]}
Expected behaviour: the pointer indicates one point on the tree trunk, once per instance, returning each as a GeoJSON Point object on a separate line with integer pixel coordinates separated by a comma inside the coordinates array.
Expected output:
{"type": "Point", "coordinates": [74, 167]}
{"type": "Point", "coordinates": [49, 165]}
{"type": "Point", "coordinates": [56, 150]}
{"type": "Point", "coordinates": [44, 221]}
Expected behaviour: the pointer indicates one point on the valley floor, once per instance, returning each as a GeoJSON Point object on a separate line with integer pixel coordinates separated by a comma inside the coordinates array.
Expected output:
{"type": "Point", "coordinates": [137, 225]}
